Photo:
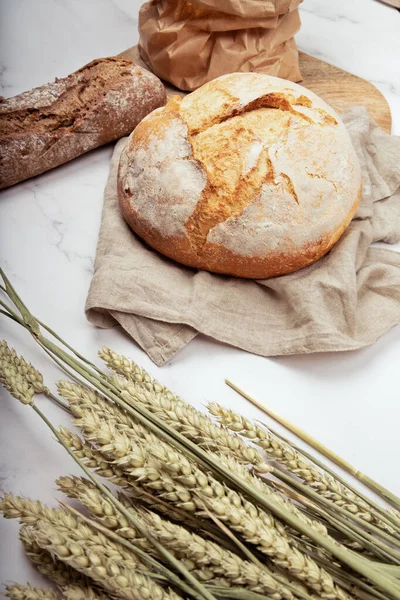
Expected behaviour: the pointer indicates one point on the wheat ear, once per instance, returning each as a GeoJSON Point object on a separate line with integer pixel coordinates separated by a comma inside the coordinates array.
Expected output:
{"type": "Point", "coordinates": [115, 576]}
{"type": "Point", "coordinates": [183, 417]}
{"type": "Point", "coordinates": [81, 399]}
{"type": "Point", "coordinates": [21, 378]}
{"type": "Point", "coordinates": [116, 443]}
{"type": "Point", "coordinates": [245, 474]}
{"type": "Point", "coordinates": [120, 447]}
{"type": "Point", "coordinates": [28, 371]}
{"type": "Point", "coordinates": [165, 471]}
{"type": "Point", "coordinates": [89, 408]}
{"type": "Point", "coordinates": [45, 564]}
{"type": "Point", "coordinates": [255, 525]}
{"type": "Point", "coordinates": [90, 421]}
{"type": "Point", "coordinates": [28, 592]}
{"type": "Point", "coordinates": [13, 380]}
{"type": "Point", "coordinates": [32, 512]}
{"type": "Point", "coordinates": [93, 459]}
{"type": "Point", "coordinates": [112, 435]}
{"type": "Point", "coordinates": [129, 369]}
{"type": "Point", "coordinates": [125, 449]}
{"type": "Point", "coordinates": [298, 464]}
{"type": "Point", "coordinates": [212, 561]}
{"type": "Point", "coordinates": [137, 463]}
{"type": "Point", "coordinates": [205, 558]}
{"type": "Point", "coordinates": [81, 592]}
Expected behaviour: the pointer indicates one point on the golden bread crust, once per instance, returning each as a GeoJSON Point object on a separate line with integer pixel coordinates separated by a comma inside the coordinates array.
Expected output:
{"type": "Point", "coordinates": [250, 176]}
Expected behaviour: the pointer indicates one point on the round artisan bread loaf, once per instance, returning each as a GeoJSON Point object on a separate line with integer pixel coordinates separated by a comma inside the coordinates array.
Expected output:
{"type": "Point", "coordinates": [250, 175]}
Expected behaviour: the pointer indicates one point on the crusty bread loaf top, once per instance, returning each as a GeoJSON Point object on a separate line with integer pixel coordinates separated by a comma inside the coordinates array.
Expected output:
{"type": "Point", "coordinates": [250, 163]}
{"type": "Point", "coordinates": [49, 107]}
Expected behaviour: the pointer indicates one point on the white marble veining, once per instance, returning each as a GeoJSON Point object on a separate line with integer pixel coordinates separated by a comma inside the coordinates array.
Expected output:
{"type": "Point", "coordinates": [361, 36]}
{"type": "Point", "coordinates": [48, 234]}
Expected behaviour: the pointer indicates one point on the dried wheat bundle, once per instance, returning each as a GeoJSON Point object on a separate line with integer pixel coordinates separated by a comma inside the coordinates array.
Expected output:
{"type": "Point", "coordinates": [207, 506]}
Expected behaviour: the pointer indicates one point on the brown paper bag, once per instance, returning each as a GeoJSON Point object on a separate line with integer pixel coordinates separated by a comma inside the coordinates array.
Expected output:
{"type": "Point", "coordinates": [190, 43]}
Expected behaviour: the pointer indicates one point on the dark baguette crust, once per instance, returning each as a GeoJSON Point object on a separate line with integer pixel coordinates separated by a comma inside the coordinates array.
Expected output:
{"type": "Point", "coordinates": [50, 125]}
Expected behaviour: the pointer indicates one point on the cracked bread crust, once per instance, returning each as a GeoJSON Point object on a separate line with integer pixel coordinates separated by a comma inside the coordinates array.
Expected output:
{"type": "Point", "coordinates": [250, 175]}
{"type": "Point", "coordinates": [48, 126]}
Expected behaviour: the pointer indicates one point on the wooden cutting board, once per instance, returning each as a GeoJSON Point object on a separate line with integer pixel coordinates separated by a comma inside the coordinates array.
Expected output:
{"type": "Point", "coordinates": [395, 3]}
{"type": "Point", "coordinates": [338, 88]}
{"type": "Point", "coordinates": [342, 90]}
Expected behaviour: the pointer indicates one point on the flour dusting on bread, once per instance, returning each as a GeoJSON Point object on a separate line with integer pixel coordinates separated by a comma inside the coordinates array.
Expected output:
{"type": "Point", "coordinates": [163, 183]}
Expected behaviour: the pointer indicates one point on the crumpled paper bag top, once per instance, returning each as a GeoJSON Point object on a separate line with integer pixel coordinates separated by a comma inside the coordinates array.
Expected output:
{"type": "Point", "coordinates": [344, 301]}
{"type": "Point", "coordinates": [190, 43]}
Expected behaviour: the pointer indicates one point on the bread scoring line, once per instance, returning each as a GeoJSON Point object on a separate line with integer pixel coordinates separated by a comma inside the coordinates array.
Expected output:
{"type": "Point", "coordinates": [279, 102]}
{"type": "Point", "coordinates": [193, 224]}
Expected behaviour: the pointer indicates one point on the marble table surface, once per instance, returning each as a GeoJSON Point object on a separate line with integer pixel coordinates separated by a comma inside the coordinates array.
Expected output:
{"type": "Point", "coordinates": [48, 234]}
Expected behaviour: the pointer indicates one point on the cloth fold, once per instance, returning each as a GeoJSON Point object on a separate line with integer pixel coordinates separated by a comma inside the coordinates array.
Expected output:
{"type": "Point", "coordinates": [345, 301]}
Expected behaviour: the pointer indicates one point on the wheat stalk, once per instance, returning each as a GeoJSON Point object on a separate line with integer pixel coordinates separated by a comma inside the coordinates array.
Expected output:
{"type": "Point", "coordinates": [394, 513]}
{"type": "Point", "coordinates": [298, 464]}
{"type": "Point", "coordinates": [51, 568]}
{"type": "Point", "coordinates": [28, 592]}
{"type": "Point", "coordinates": [317, 445]}
{"type": "Point", "coordinates": [115, 576]}
{"type": "Point", "coordinates": [205, 558]}
{"type": "Point", "coordinates": [176, 412]}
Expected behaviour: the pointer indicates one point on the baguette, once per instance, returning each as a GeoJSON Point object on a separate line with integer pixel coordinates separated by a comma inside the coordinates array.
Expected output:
{"type": "Point", "coordinates": [52, 124]}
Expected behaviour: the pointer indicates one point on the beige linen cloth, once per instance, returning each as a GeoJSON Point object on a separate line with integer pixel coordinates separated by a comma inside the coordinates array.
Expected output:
{"type": "Point", "coordinates": [343, 302]}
